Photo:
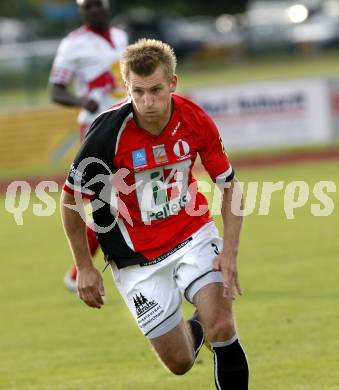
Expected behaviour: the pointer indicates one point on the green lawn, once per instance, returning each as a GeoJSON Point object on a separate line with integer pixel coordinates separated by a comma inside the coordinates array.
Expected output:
{"type": "Point", "coordinates": [288, 317]}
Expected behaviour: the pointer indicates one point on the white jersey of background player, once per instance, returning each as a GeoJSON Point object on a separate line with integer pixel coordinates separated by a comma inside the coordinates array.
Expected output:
{"type": "Point", "coordinates": [88, 59]}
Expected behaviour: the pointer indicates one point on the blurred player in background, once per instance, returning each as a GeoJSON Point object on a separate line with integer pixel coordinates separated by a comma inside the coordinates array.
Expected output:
{"type": "Point", "coordinates": [87, 62]}
{"type": "Point", "coordinates": [157, 233]}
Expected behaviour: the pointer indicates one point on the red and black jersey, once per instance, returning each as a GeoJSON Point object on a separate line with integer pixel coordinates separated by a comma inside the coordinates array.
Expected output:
{"type": "Point", "coordinates": [144, 197]}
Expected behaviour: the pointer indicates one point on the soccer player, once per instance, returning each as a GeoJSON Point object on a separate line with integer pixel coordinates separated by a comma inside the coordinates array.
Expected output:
{"type": "Point", "coordinates": [88, 59]}
{"type": "Point", "coordinates": [153, 225]}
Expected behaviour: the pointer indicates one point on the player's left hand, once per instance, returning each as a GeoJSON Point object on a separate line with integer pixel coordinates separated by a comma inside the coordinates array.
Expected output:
{"type": "Point", "coordinates": [228, 267]}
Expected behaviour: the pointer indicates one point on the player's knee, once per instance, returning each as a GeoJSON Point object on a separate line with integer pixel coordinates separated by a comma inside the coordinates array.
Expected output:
{"type": "Point", "coordinates": [221, 329]}
{"type": "Point", "coordinates": [180, 369]}
{"type": "Point", "coordinates": [180, 364]}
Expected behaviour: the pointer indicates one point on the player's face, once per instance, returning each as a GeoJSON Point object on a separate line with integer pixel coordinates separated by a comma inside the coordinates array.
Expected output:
{"type": "Point", "coordinates": [96, 13]}
{"type": "Point", "coordinates": [151, 95]}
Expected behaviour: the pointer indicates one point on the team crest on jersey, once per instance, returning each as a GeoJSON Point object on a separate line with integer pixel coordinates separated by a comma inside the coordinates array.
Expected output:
{"type": "Point", "coordinates": [159, 153]}
{"type": "Point", "coordinates": [181, 148]}
{"type": "Point", "coordinates": [139, 158]}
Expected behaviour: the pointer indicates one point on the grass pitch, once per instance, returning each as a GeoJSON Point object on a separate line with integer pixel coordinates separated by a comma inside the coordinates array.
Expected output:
{"type": "Point", "coordinates": [288, 316]}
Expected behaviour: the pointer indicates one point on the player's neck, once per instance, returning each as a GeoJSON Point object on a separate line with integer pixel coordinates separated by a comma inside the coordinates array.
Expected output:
{"type": "Point", "coordinates": [104, 29]}
{"type": "Point", "coordinates": [154, 127]}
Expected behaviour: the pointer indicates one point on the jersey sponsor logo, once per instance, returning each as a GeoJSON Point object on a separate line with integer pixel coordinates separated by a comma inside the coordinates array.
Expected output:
{"type": "Point", "coordinates": [162, 191]}
{"type": "Point", "coordinates": [169, 209]}
{"type": "Point", "coordinates": [181, 148]}
{"type": "Point", "coordinates": [160, 155]}
{"type": "Point", "coordinates": [139, 158]}
{"type": "Point", "coordinates": [159, 191]}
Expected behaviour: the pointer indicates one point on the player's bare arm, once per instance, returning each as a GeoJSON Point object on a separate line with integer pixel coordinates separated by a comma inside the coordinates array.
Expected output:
{"type": "Point", "coordinates": [89, 280]}
{"type": "Point", "coordinates": [226, 261]}
{"type": "Point", "coordinates": [61, 95]}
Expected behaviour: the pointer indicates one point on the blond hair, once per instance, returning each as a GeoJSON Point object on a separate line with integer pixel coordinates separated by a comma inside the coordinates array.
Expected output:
{"type": "Point", "coordinates": [145, 55]}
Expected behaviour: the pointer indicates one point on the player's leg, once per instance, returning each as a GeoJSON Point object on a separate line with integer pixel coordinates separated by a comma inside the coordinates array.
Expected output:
{"type": "Point", "coordinates": [154, 300]}
{"type": "Point", "coordinates": [175, 348]}
{"type": "Point", "coordinates": [215, 313]}
{"type": "Point", "coordinates": [203, 287]}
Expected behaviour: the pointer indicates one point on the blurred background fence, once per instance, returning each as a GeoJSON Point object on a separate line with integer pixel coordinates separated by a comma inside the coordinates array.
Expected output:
{"type": "Point", "coordinates": [222, 48]}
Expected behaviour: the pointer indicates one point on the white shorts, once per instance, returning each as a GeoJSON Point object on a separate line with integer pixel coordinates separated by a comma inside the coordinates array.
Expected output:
{"type": "Point", "coordinates": [153, 292]}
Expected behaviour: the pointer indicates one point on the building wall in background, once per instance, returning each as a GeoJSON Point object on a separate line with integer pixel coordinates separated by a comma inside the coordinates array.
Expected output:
{"type": "Point", "coordinates": [273, 114]}
{"type": "Point", "coordinates": [43, 136]}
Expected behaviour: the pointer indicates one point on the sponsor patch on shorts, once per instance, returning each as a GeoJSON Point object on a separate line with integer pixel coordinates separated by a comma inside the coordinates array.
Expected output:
{"type": "Point", "coordinates": [147, 310]}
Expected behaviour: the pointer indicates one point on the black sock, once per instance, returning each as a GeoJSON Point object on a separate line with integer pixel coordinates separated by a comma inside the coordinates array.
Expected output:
{"type": "Point", "coordinates": [198, 335]}
{"type": "Point", "coordinates": [230, 366]}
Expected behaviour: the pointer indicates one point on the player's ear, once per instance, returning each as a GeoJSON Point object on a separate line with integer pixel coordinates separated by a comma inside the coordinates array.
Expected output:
{"type": "Point", "coordinates": [173, 83]}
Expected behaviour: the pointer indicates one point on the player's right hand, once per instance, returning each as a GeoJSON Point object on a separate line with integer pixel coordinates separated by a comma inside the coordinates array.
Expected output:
{"type": "Point", "coordinates": [228, 268]}
{"type": "Point", "coordinates": [89, 105]}
{"type": "Point", "coordinates": [91, 287]}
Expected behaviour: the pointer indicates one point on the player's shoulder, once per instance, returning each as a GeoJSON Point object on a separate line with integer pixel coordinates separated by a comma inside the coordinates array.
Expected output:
{"type": "Point", "coordinates": [110, 121]}
{"type": "Point", "coordinates": [189, 108]}
{"type": "Point", "coordinates": [71, 41]}
{"type": "Point", "coordinates": [118, 31]}
{"type": "Point", "coordinates": [119, 110]}
{"type": "Point", "coordinates": [80, 32]}
{"type": "Point", "coordinates": [119, 36]}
